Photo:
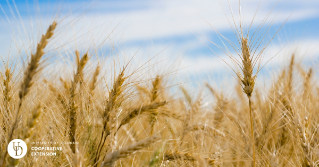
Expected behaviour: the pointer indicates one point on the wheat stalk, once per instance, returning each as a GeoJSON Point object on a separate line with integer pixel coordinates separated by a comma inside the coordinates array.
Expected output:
{"type": "Point", "coordinates": [78, 157]}
{"type": "Point", "coordinates": [172, 155]}
{"type": "Point", "coordinates": [59, 97]}
{"type": "Point", "coordinates": [78, 78]}
{"type": "Point", "coordinates": [109, 114]}
{"type": "Point", "coordinates": [208, 129]}
{"type": "Point", "coordinates": [66, 85]}
{"type": "Point", "coordinates": [128, 150]}
{"type": "Point", "coordinates": [190, 113]}
{"type": "Point", "coordinates": [33, 66]}
{"type": "Point", "coordinates": [32, 122]}
{"type": "Point", "coordinates": [247, 80]}
{"type": "Point", "coordinates": [303, 141]}
{"type": "Point", "coordinates": [93, 83]}
{"type": "Point", "coordinates": [28, 132]}
{"type": "Point", "coordinates": [244, 67]}
{"type": "Point", "coordinates": [29, 73]}
{"type": "Point", "coordinates": [134, 113]}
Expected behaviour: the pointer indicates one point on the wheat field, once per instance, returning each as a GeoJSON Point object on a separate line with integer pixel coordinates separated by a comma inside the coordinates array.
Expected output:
{"type": "Point", "coordinates": [119, 118]}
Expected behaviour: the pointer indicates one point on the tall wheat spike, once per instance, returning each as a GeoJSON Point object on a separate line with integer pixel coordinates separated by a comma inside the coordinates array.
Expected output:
{"type": "Point", "coordinates": [78, 78]}
{"type": "Point", "coordinates": [246, 77]}
{"type": "Point", "coordinates": [29, 73]}
{"type": "Point", "coordinates": [248, 81]}
{"type": "Point", "coordinates": [109, 114]}
{"type": "Point", "coordinates": [244, 66]}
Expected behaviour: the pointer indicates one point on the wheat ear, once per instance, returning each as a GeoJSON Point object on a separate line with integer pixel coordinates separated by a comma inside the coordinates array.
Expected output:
{"type": "Point", "coordinates": [35, 62]}
{"type": "Point", "coordinates": [303, 141]}
{"type": "Point", "coordinates": [134, 113]}
{"type": "Point", "coordinates": [288, 88]}
{"type": "Point", "coordinates": [58, 95]}
{"type": "Point", "coordinates": [94, 79]}
{"type": "Point", "coordinates": [93, 85]}
{"type": "Point", "coordinates": [32, 122]}
{"type": "Point", "coordinates": [6, 96]}
{"type": "Point", "coordinates": [156, 85]}
{"type": "Point", "coordinates": [173, 155]}
{"type": "Point", "coordinates": [128, 150]}
{"type": "Point", "coordinates": [7, 89]}
{"type": "Point", "coordinates": [29, 73]}
{"type": "Point", "coordinates": [210, 130]}
{"type": "Point", "coordinates": [154, 94]}
{"type": "Point", "coordinates": [78, 78]}
{"type": "Point", "coordinates": [66, 85]}
{"type": "Point", "coordinates": [109, 112]}
{"type": "Point", "coordinates": [307, 83]}
{"type": "Point", "coordinates": [220, 108]}
{"type": "Point", "coordinates": [189, 115]}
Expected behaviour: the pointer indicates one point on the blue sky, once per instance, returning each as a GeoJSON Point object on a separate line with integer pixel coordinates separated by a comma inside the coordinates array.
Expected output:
{"type": "Point", "coordinates": [177, 29]}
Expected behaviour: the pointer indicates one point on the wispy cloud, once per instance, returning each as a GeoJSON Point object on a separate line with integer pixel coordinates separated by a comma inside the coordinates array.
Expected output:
{"type": "Point", "coordinates": [151, 26]}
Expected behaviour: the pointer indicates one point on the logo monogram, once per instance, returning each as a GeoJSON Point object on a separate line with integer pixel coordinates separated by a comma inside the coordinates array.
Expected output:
{"type": "Point", "coordinates": [17, 148]}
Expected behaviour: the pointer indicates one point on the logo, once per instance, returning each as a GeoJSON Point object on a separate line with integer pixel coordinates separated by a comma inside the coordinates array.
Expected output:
{"type": "Point", "coordinates": [17, 148]}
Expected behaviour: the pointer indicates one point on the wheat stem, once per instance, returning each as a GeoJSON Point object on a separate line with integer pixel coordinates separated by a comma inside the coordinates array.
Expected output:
{"type": "Point", "coordinates": [128, 150]}
{"type": "Point", "coordinates": [134, 113]}
{"type": "Point", "coordinates": [252, 132]}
